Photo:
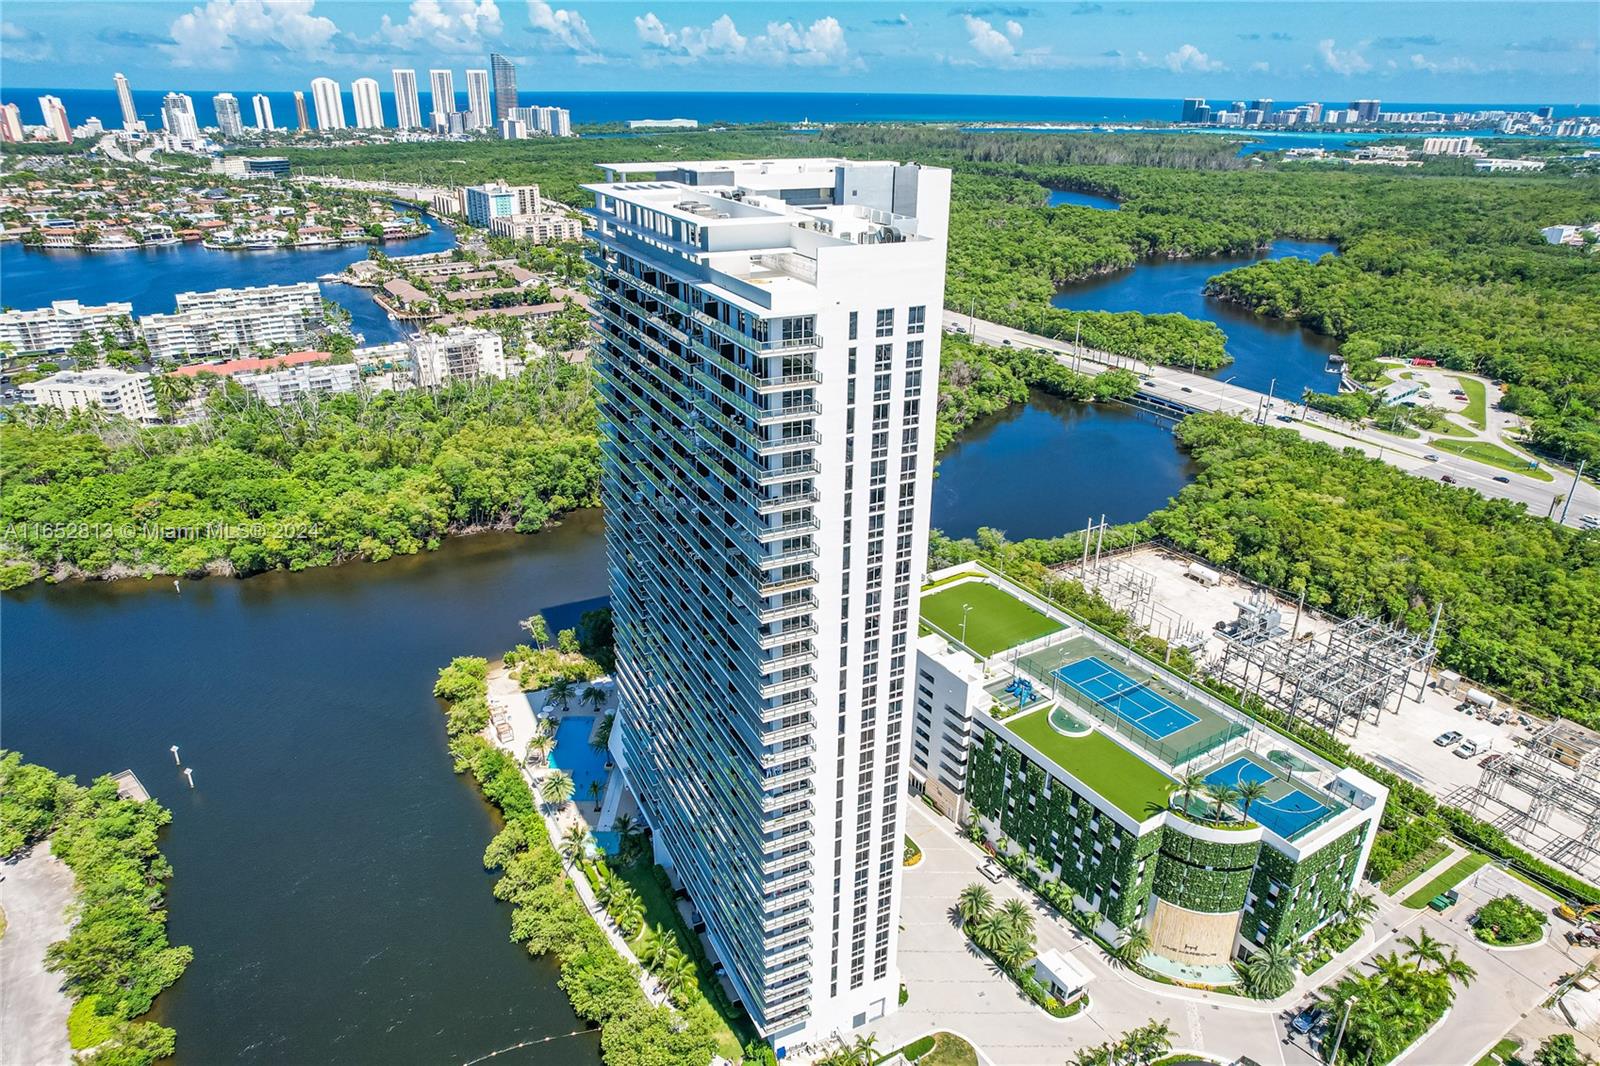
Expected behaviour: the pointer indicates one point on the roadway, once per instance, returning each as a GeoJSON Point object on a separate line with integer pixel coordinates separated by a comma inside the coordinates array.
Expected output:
{"type": "Point", "coordinates": [1172, 386]}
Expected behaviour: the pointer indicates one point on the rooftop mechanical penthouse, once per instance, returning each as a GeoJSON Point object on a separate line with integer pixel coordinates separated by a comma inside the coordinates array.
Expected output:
{"type": "Point", "coordinates": [768, 363]}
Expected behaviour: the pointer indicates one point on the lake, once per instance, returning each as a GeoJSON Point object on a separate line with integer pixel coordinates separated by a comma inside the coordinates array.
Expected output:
{"type": "Point", "coordinates": [149, 278]}
{"type": "Point", "coordinates": [1072, 197]}
{"type": "Point", "coordinates": [1263, 349]}
{"type": "Point", "coordinates": [328, 863]}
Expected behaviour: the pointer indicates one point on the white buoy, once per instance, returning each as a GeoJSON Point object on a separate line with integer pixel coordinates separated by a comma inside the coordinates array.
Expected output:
{"type": "Point", "coordinates": [177, 586]}
{"type": "Point", "coordinates": [175, 760]}
{"type": "Point", "coordinates": [189, 773]}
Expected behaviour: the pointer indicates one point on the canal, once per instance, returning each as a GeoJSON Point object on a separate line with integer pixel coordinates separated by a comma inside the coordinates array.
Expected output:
{"type": "Point", "coordinates": [149, 278]}
{"type": "Point", "coordinates": [328, 864]}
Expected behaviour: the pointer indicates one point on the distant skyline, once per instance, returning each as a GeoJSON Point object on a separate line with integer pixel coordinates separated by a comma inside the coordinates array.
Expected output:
{"type": "Point", "coordinates": [1416, 52]}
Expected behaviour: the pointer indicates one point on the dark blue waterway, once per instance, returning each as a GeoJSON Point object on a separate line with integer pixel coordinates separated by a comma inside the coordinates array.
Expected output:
{"type": "Point", "coordinates": [328, 864]}
{"type": "Point", "coordinates": [1072, 198]}
{"type": "Point", "coordinates": [708, 107]}
{"type": "Point", "coordinates": [1263, 349]}
{"type": "Point", "coordinates": [150, 277]}
{"type": "Point", "coordinates": [1040, 469]}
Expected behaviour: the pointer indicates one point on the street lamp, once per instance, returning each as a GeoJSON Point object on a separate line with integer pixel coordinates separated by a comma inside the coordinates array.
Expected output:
{"type": "Point", "coordinates": [1339, 1037]}
{"type": "Point", "coordinates": [965, 607]}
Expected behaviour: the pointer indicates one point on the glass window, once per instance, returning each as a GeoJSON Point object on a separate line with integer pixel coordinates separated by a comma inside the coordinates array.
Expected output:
{"type": "Point", "coordinates": [854, 321]}
{"type": "Point", "coordinates": [916, 319]}
{"type": "Point", "coordinates": [886, 322]}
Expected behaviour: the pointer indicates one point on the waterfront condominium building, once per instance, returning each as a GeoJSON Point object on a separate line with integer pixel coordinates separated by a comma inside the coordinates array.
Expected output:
{"type": "Point", "coordinates": [480, 112]}
{"type": "Point", "coordinates": [441, 98]}
{"type": "Point", "coordinates": [768, 356]}
{"type": "Point", "coordinates": [10, 123]}
{"type": "Point", "coordinates": [407, 109]}
{"type": "Point", "coordinates": [116, 392]}
{"type": "Point", "coordinates": [227, 321]}
{"type": "Point", "coordinates": [369, 105]}
{"type": "Point", "coordinates": [229, 121]}
{"type": "Point", "coordinates": [302, 120]}
{"type": "Point", "coordinates": [505, 85]}
{"type": "Point", "coordinates": [329, 102]}
{"type": "Point", "coordinates": [130, 116]}
{"type": "Point", "coordinates": [55, 118]}
{"type": "Point", "coordinates": [491, 200]}
{"type": "Point", "coordinates": [263, 108]}
{"type": "Point", "coordinates": [59, 326]}
{"type": "Point", "coordinates": [178, 117]}
{"type": "Point", "coordinates": [459, 354]}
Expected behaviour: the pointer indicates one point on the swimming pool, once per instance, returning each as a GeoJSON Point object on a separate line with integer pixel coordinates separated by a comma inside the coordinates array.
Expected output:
{"type": "Point", "coordinates": [573, 754]}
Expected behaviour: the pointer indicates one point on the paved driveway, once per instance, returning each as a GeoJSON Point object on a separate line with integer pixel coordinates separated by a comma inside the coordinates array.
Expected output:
{"type": "Point", "coordinates": [33, 1009]}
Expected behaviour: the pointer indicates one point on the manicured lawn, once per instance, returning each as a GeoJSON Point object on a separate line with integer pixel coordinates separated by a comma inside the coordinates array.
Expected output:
{"type": "Point", "coordinates": [1492, 454]}
{"type": "Point", "coordinates": [1413, 869]}
{"type": "Point", "coordinates": [950, 1050]}
{"type": "Point", "coordinates": [1453, 875]}
{"type": "Point", "coordinates": [1501, 1052]}
{"type": "Point", "coordinates": [1450, 429]}
{"type": "Point", "coordinates": [659, 912]}
{"type": "Point", "coordinates": [997, 621]}
{"type": "Point", "coordinates": [1102, 764]}
{"type": "Point", "coordinates": [1477, 409]}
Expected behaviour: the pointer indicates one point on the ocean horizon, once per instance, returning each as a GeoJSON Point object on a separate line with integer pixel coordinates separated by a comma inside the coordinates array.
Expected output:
{"type": "Point", "coordinates": [710, 108]}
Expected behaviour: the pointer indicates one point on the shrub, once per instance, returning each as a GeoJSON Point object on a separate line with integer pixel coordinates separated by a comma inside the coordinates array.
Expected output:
{"type": "Point", "coordinates": [1508, 921]}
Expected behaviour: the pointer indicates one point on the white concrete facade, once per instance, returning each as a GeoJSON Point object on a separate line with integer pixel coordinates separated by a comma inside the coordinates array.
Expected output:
{"type": "Point", "coordinates": [369, 105]}
{"type": "Point", "coordinates": [768, 370]}
{"type": "Point", "coordinates": [58, 327]}
{"type": "Point", "coordinates": [114, 391]}
{"type": "Point", "coordinates": [442, 96]}
{"type": "Point", "coordinates": [328, 102]}
{"type": "Point", "coordinates": [407, 108]}
{"type": "Point", "coordinates": [263, 109]}
{"type": "Point", "coordinates": [480, 110]}
{"type": "Point", "coordinates": [224, 321]}
{"type": "Point", "coordinates": [462, 354]}
{"type": "Point", "coordinates": [277, 387]}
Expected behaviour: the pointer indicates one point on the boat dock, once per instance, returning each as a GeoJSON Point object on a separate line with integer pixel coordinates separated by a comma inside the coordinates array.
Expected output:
{"type": "Point", "coordinates": [129, 787]}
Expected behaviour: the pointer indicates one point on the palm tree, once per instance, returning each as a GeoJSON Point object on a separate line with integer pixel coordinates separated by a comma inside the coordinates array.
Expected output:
{"type": "Point", "coordinates": [575, 842]}
{"type": "Point", "coordinates": [1270, 972]}
{"type": "Point", "coordinates": [556, 789]}
{"type": "Point", "coordinates": [865, 1049]}
{"type": "Point", "coordinates": [1249, 792]}
{"type": "Point", "coordinates": [595, 697]}
{"type": "Point", "coordinates": [1132, 947]}
{"type": "Point", "coordinates": [974, 903]}
{"type": "Point", "coordinates": [990, 930]}
{"type": "Point", "coordinates": [651, 943]}
{"type": "Point", "coordinates": [675, 970]}
{"type": "Point", "coordinates": [560, 693]}
{"type": "Point", "coordinates": [538, 631]}
{"type": "Point", "coordinates": [1018, 917]}
{"type": "Point", "coordinates": [628, 911]}
{"type": "Point", "coordinates": [1188, 785]}
{"type": "Point", "coordinates": [1456, 970]}
{"type": "Point", "coordinates": [1423, 948]}
{"type": "Point", "coordinates": [1361, 907]}
{"type": "Point", "coordinates": [1014, 950]}
{"type": "Point", "coordinates": [539, 746]}
{"type": "Point", "coordinates": [595, 792]}
{"type": "Point", "coordinates": [606, 887]}
{"type": "Point", "coordinates": [1221, 796]}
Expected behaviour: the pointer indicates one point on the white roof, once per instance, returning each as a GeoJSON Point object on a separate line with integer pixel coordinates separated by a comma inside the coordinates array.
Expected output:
{"type": "Point", "coordinates": [1068, 973]}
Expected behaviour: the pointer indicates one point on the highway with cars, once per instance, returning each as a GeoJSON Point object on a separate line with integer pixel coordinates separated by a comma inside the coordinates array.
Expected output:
{"type": "Point", "coordinates": [1169, 387]}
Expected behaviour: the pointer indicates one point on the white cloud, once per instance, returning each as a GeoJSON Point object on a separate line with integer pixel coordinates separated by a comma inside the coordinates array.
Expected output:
{"type": "Point", "coordinates": [1013, 29]}
{"type": "Point", "coordinates": [212, 35]}
{"type": "Point", "coordinates": [461, 26]}
{"type": "Point", "coordinates": [1350, 61]}
{"type": "Point", "coordinates": [565, 29]}
{"type": "Point", "coordinates": [1453, 65]}
{"type": "Point", "coordinates": [1261, 66]}
{"type": "Point", "coordinates": [23, 45]}
{"type": "Point", "coordinates": [989, 42]}
{"type": "Point", "coordinates": [785, 43]}
{"type": "Point", "coordinates": [1189, 59]}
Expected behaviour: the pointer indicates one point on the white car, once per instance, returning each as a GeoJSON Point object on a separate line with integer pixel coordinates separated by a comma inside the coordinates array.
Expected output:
{"type": "Point", "coordinates": [1589, 521]}
{"type": "Point", "coordinates": [992, 871]}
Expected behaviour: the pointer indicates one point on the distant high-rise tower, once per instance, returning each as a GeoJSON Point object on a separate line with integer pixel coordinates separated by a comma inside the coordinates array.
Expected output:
{"type": "Point", "coordinates": [766, 370]}
{"type": "Point", "coordinates": [130, 117]}
{"type": "Point", "coordinates": [301, 118]}
{"type": "Point", "coordinates": [178, 118]}
{"type": "Point", "coordinates": [407, 109]}
{"type": "Point", "coordinates": [55, 118]}
{"type": "Point", "coordinates": [1191, 109]}
{"type": "Point", "coordinates": [263, 108]}
{"type": "Point", "coordinates": [369, 104]}
{"type": "Point", "coordinates": [479, 110]}
{"type": "Point", "coordinates": [10, 123]}
{"type": "Point", "coordinates": [505, 85]}
{"type": "Point", "coordinates": [1366, 110]}
{"type": "Point", "coordinates": [442, 101]}
{"type": "Point", "coordinates": [329, 102]}
{"type": "Point", "coordinates": [228, 120]}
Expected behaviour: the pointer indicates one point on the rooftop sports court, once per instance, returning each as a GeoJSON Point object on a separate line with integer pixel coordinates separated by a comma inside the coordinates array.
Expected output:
{"type": "Point", "coordinates": [1121, 693]}
{"type": "Point", "coordinates": [1287, 809]}
{"type": "Point", "coordinates": [996, 620]}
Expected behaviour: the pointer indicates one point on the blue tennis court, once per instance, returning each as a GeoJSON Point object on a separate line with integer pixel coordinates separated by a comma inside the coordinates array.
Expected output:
{"type": "Point", "coordinates": [1134, 702]}
{"type": "Point", "coordinates": [1285, 815]}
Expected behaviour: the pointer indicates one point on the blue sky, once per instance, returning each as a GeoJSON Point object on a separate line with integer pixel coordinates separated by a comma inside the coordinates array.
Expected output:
{"type": "Point", "coordinates": [1447, 52]}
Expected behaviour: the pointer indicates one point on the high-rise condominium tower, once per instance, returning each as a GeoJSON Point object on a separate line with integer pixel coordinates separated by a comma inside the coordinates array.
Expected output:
{"type": "Point", "coordinates": [10, 123]}
{"type": "Point", "coordinates": [55, 118]}
{"type": "Point", "coordinates": [407, 109]}
{"type": "Point", "coordinates": [226, 105]}
{"type": "Point", "coordinates": [178, 117]}
{"type": "Point", "coordinates": [768, 360]}
{"type": "Point", "coordinates": [302, 120]}
{"type": "Point", "coordinates": [505, 85]}
{"type": "Point", "coordinates": [329, 103]}
{"type": "Point", "coordinates": [480, 111]}
{"type": "Point", "coordinates": [369, 105]}
{"type": "Point", "coordinates": [130, 116]}
{"type": "Point", "coordinates": [442, 87]}
{"type": "Point", "coordinates": [263, 107]}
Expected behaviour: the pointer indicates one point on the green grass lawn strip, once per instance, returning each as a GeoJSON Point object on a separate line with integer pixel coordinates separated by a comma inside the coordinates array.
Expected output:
{"type": "Point", "coordinates": [1453, 875]}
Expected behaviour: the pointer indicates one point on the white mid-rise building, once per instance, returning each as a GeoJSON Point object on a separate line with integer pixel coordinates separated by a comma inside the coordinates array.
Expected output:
{"type": "Point", "coordinates": [407, 108]}
{"type": "Point", "coordinates": [369, 104]}
{"type": "Point", "coordinates": [768, 363]}
{"type": "Point", "coordinates": [480, 109]}
{"type": "Point", "coordinates": [277, 387]}
{"type": "Point", "coordinates": [263, 109]}
{"type": "Point", "coordinates": [328, 102]}
{"type": "Point", "coordinates": [59, 326]}
{"type": "Point", "coordinates": [226, 321]}
{"type": "Point", "coordinates": [461, 354]}
{"type": "Point", "coordinates": [115, 392]}
{"type": "Point", "coordinates": [540, 229]}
